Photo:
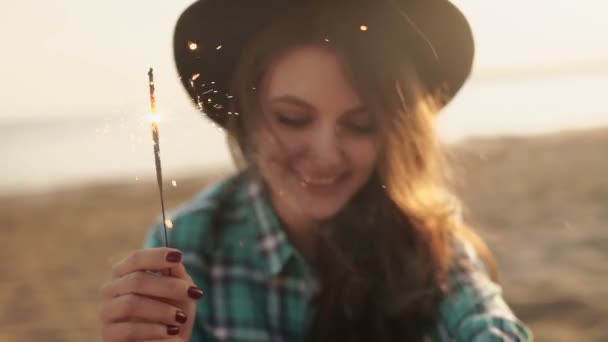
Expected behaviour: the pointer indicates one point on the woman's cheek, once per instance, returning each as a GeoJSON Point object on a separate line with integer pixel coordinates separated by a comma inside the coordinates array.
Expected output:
{"type": "Point", "coordinates": [364, 153]}
{"type": "Point", "coordinates": [272, 157]}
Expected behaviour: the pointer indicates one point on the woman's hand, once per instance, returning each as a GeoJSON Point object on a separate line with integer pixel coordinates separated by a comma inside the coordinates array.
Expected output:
{"type": "Point", "coordinates": [140, 305]}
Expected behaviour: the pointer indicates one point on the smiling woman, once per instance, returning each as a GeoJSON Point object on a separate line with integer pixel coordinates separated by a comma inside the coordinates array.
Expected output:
{"type": "Point", "coordinates": [315, 147]}
{"type": "Point", "coordinates": [340, 225]}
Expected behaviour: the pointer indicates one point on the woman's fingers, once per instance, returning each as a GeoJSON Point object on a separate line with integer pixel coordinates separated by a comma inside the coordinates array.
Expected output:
{"type": "Point", "coordinates": [151, 285]}
{"type": "Point", "coordinates": [150, 259]}
{"type": "Point", "coordinates": [139, 303]}
{"type": "Point", "coordinates": [138, 331]}
{"type": "Point", "coordinates": [130, 306]}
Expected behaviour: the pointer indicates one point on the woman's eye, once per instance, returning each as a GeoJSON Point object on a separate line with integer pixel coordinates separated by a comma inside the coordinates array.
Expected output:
{"type": "Point", "coordinates": [361, 128]}
{"type": "Point", "coordinates": [291, 121]}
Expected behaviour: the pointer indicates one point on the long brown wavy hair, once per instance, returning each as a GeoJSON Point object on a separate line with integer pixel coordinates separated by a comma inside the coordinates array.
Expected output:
{"type": "Point", "coordinates": [383, 260]}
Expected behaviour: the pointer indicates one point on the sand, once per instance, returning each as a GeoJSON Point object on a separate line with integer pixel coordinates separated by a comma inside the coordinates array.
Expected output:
{"type": "Point", "coordinates": [541, 203]}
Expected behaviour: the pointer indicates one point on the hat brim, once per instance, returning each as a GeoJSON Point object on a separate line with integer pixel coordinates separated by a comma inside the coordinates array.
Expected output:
{"type": "Point", "coordinates": [210, 36]}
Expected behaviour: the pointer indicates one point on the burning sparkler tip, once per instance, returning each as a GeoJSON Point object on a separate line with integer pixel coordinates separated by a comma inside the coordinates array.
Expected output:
{"type": "Point", "coordinates": [154, 118]}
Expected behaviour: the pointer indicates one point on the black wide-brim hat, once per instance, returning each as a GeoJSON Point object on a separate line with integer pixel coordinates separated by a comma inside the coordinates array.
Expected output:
{"type": "Point", "coordinates": [210, 37]}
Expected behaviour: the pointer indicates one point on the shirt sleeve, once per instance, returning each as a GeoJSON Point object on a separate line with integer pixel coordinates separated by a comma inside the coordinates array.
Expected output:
{"type": "Point", "coordinates": [474, 310]}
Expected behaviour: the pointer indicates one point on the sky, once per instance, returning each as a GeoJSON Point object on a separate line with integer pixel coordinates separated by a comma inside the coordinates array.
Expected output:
{"type": "Point", "coordinates": [76, 59]}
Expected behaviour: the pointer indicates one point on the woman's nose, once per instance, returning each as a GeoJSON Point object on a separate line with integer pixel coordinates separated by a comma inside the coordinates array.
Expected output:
{"type": "Point", "coordinates": [326, 149]}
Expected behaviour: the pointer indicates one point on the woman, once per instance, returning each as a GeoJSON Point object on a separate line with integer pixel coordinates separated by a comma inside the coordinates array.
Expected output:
{"type": "Point", "coordinates": [340, 225]}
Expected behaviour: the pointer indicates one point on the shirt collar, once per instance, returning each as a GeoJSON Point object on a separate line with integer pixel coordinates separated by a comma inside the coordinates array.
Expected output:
{"type": "Point", "coordinates": [272, 242]}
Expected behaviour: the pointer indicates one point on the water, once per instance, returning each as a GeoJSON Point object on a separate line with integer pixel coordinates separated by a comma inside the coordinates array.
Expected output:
{"type": "Point", "coordinates": [44, 155]}
{"type": "Point", "coordinates": [525, 107]}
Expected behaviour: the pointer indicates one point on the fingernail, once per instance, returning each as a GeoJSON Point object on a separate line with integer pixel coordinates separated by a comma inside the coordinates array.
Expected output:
{"type": "Point", "coordinates": [180, 317]}
{"type": "Point", "coordinates": [172, 330]}
{"type": "Point", "coordinates": [174, 257]}
{"type": "Point", "coordinates": [195, 292]}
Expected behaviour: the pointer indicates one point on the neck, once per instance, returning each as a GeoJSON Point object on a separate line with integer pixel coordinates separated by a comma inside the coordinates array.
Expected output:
{"type": "Point", "coordinates": [301, 231]}
{"type": "Point", "coordinates": [303, 239]}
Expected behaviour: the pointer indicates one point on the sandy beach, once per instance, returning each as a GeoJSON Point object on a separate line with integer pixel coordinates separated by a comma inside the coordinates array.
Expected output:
{"type": "Point", "coordinates": [541, 203]}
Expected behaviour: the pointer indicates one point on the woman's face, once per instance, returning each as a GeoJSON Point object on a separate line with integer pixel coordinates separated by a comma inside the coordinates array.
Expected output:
{"type": "Point", "coordinates": [317, 144]}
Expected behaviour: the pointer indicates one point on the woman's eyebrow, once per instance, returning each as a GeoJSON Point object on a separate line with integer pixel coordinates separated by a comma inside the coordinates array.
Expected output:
{"type": "Point", "coordinates": [301, 103]}
{"type": "Point", "coordinates": [294, 101]}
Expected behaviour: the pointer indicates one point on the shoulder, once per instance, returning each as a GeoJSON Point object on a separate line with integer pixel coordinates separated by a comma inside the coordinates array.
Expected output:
{"type": "Point", "coordinates": [466, 264]}
{"type": "Point", "coordinates": [192, 221]}
{"type": "Point", "coordinates": [473, 308]}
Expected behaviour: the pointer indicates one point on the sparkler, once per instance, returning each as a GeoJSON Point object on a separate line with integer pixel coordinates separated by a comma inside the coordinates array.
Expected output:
{"type": "Point", "coordinates": [155, 135]}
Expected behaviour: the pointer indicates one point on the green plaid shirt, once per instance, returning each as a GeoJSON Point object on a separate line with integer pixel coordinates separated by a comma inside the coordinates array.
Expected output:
{"type": "Point", "coordinates": [260, 288]}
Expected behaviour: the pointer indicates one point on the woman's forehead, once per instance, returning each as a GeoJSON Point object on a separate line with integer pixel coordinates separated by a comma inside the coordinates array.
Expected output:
{"type": "Point", "coordinates": [312, 73]}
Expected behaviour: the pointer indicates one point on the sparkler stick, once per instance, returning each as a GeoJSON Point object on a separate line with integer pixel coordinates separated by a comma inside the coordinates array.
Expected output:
{"type": "Point", "coordinates": [155, 135]}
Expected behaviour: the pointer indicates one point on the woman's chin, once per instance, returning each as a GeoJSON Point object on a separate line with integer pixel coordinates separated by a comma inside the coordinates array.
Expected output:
{"type": "Point", "coordinates": [321, 213]}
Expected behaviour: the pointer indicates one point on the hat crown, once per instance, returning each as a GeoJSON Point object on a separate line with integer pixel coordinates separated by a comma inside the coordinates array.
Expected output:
{"type": "Point", "coordinates": [210, 36]}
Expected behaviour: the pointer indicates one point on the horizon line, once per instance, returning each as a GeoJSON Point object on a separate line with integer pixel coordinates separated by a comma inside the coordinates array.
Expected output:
{"type": "Point", "coordinates": [538, 71]}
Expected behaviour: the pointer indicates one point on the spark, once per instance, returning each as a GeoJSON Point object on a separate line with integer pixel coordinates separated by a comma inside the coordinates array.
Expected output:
{"type": "Point", "coordinates": [363, 27]}
{"type": "Point", "coordinates": [218, 47]}
{"type": "Point", "coordinates": [174, 183]}
{"type": "Point", "coordinates": [195, 76]}
{"type": "Point", "coordinates": [154, 118]}
{"type": "Point", "coordinates": [192, 46]}
{"type": "Point", "coordinates": [169, 223]}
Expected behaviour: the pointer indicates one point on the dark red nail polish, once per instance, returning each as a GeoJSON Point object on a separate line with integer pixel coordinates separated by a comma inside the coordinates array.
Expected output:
{"type": "Point", "coordinates": [195, 292]}
{"type": "Point", "coordinates": [174, 257]}
{"type": "Point", "coordinates": [181, 317]}
{"type": "Point", "coordinates": [172, 330]}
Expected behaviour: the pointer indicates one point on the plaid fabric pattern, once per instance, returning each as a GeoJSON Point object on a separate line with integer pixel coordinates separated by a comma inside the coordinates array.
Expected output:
{"type": "Point", "coordinates": [260, 288]}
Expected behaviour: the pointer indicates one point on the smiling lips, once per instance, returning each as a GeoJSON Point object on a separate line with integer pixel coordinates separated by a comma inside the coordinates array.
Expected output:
{"type": "Point", "coordinates": [319, 183]}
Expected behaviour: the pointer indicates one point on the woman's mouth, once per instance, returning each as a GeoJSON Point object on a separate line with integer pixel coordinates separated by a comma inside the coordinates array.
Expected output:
{"type": "Point", "coordinates": [319, 181]}
{"type": "Point", "coordinates": [320, 184]}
